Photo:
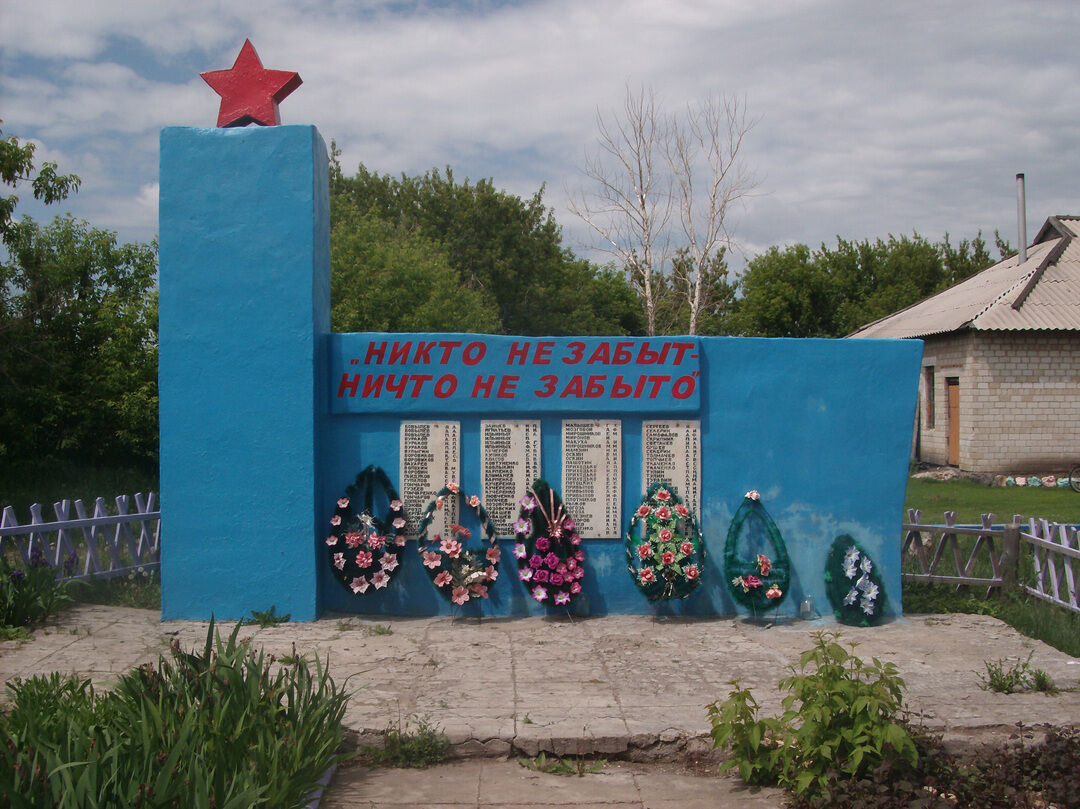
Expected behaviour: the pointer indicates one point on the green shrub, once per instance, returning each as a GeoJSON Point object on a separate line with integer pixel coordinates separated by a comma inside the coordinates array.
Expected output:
{"type": "Point", "coordinates": [31, 594]}
{"type": "Point", "coordinates": [1020, 676]}
{"type": "Point", "coordinates": [418, 743]}
{"type": "Point", "coordinates": [842, 716]}
{"type": "Point", "coordinates": [217, 728]}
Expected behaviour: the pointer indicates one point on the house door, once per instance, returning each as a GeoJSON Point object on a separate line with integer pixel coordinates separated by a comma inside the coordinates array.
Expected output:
{"type": "Point", "coordinates": [952, 386]}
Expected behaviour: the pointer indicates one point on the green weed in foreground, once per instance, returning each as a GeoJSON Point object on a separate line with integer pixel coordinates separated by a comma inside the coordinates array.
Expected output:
{"type": "Point", "coordinates": [218, 728]}
{"type": "Point", "coordinates": [266, 618]}
{"type": "Point", "coordinates": [841, 716]}
{"type": "Point", "coordinates": [557, 765]}
{"type": "Point", "coordinates": [1020, 676]}
{"type": "Point", "coordinates": [419, 743]}
{"type": "Point", "coordinates": [28, 594]}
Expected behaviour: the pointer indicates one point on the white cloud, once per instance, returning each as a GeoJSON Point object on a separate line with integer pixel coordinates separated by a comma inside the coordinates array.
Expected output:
{"type": "Point", "coordinates": [874, 119]}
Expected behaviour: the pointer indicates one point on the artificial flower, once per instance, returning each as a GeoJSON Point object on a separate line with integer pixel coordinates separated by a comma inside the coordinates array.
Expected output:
{"type": "Point", "coordinates": [752, 581]}
{"type": "Point", "coordinates": [575, 588]}
{"type": "Point", "coordinates": [479, 590]}
{"type": "Point", "coordinates": [395, 505]}
{"type": "Point", "coordinates": [543, 544]}
{"type": "Point", "coordinates": [753, 494]}
{"type": "Point", "coordinates": [354, 539]}
{"type": "Point", "coordinates": [667, 558]}
{"type": "Point", "coordinates": [525, 573]}
{"type": "Point", "coordinates": [539, 593]}
{"type": "Point", "coordinates": [644, 550]}
{"type": "Point", "coordinates": [331, 540]}
{"type": "Point", "coordinates": [431, 559]}
{"type": "Point", "coordinates": [542, 574]}
{"type": "Point", "coordinates": [460, 595]}
{"type": "Point", "coordinates": [339, 561]}
{"type": "Point", "coordinates": [388, 562]}
{"type": "Point", "coordinates": [453, 487]}
{"type": "Point", "coordinates": [451, 547]}
{"type": "Point", "coordinates": [569, 524]}
{"type": "Point", "coordinates": [663, 513]}
{"type": "Point", "coordinates": [644, 510]}
{"type": "Point", "coordinates": [774, 592]}
{"type": "Point", "coordinates": [491, 572]}
{"type": "Point", "coordinates": [866, 565]}
{"type": "Point", "coordinates": [398, 523]}
{"type": "Point", "coordinates": [551, 560]}
{"type": "Point", "coordinates": [461, 531]}
{"type": "Point", "coordinates": [867, 606]}
{"type": "Point", "coordinates": [562, 598]}
{"type": "Point", "coordinates": [442, 579]}
{"type": "Point", "coordinates": [376, 541]}
{"type": "Point", "coordinates": [536, 560]}
{"type": "Point", "coordinates": [363, 558]}
{"type": "Point", "coordinates": [359, 585]}
{"type": "Point", "coordinates": [493, 554]}
{"type": "Point", "coordinates": [663, 495]}
{"type": "Point", "coordinates": [522, 526]}
{"type": "Point", "coordinates": [764, 564]}
{"type": "Point", "coordinates": [555, 580]}
{"type": "Point", "coordinates": [474, 501]}
{"type": "Point", "coordinates": [380, 579]}
{"type": "Point", "coordinates": [665, 535]}
{"type": "Point", "coordinates": [686, 548]}
{"type": "Point", "coordinates": [527, 503]}
{"type": "Point", "coordinates": [691, 572]}
{"type": "Point", "coordinates": [343, 502]}
{"type": "Point", "coordinates": [335, 520]}
{"type": "Point", "coordinates": [519, 551]}
{"type": "Point", "coordinates": [682, 510]}
{"type": "Point", "coordinates": [851, 597]}
{"type": "Point", "coordinates": [647, 575]}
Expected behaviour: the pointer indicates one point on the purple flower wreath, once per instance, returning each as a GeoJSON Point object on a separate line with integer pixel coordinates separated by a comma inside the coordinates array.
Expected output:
{"type": "Point", "coordinates": [548, 550]}
{"type": "Point", "coordinates": [364, 550]}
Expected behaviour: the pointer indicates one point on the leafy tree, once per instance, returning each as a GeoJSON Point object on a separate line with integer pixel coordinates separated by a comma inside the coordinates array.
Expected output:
{"type": "Point", "coordinates": [78, 328]}
{"type": "Point", "coordinates": [504, 249]}
{"type": "Point", "coordinates": [376, 269]}
{"type": "Point", "coordinates": [17, 166]}
{"type": "Point", "coordinates": [78, 343]}
{"type": "Point", "coordinates": [794, 292]}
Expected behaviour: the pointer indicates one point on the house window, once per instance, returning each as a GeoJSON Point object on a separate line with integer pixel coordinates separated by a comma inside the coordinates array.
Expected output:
{"type": "Point", "coordinates": [928, 383]}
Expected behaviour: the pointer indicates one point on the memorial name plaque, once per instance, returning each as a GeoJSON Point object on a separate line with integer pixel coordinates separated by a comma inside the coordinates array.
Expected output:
{"type": "Point", "coordinates": [592, 476]}
{"type": "Point", "coordinates": [509, 463]}
{"type": "Point", "coordinates": [430, 458]}
{"type": "Point", "coordinates": [671, 452]}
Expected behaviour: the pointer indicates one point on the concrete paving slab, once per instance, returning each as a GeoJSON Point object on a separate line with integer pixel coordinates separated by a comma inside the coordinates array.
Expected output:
{"type": "Point", "coordinates": [632, 686]}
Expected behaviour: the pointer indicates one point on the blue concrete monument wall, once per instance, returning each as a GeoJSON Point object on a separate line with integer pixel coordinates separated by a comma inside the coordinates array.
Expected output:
{"type": "Point", "coordinates": [266, 418]}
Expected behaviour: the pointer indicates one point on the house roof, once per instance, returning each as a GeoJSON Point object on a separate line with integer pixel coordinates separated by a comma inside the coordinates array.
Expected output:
{"type": "Point", "coordinates": [1043, 293]}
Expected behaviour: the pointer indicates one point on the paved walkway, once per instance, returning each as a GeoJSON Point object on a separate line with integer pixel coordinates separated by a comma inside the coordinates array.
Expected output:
{"type": "Point", "coordinates": [628, 686]}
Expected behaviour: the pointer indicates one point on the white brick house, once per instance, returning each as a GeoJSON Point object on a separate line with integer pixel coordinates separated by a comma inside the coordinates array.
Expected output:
{"type": "Point", "coordinates": [1000, 385]}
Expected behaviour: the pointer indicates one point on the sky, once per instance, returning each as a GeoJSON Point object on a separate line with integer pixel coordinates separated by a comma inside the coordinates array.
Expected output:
{"type": "Point", "coordinates": [872, 118]}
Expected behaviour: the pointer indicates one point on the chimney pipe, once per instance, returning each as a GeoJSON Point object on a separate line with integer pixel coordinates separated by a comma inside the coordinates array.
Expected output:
{"type": "Point", "coordinates": [1021, 218]}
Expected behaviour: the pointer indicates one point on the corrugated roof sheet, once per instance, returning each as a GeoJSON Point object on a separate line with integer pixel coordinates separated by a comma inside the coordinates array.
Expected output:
{"type": "Point", "coordinates": [1042, 293]}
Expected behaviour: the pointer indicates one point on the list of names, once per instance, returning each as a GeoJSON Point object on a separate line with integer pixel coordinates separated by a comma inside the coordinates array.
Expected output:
{"type": "Point", "coordinates": [671, 452]}
{"type": "Point", "coordinates": [592, 476]}
{"type": "Point", "coordinates": [509, 463]}
{"type": "Point", "coordinates": [430, 458]}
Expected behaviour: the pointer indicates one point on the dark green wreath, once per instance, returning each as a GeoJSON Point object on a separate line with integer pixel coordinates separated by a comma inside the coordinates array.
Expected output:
{"type": "Point", "coordinates": [853, 585]}
{"type": "Point", "coordinates": [460, 574]}
{"type": "Point", "coordinates": [665, 552]}
{"type": "Point", "coordinates": [364, 550]}
{"type": "Point", "coordinates": [548, 551]}
{"type": "Point", "coordinates": [760, 583]}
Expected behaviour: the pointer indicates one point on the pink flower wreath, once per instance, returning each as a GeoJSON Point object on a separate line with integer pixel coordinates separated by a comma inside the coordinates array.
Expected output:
{"type": "Point", "coordinates": [459, 573]}
{"type": "Point", "coordinates": [364, 551]}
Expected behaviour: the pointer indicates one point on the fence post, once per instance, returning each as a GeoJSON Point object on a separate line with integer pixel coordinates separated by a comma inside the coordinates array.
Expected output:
{"type": "Point", "coordinates": [1010, 556]}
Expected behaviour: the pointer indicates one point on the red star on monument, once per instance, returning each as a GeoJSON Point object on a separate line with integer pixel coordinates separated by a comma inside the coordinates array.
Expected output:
{"type": "Point", "coordinates": [249, 92]}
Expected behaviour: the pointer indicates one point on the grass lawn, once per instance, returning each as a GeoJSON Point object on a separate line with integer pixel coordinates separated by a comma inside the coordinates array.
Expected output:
{"type": "Point", "coordinates": [970, 499]}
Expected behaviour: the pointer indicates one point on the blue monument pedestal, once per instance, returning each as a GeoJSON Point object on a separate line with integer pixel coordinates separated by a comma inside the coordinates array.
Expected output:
{"type": "Point", "coordinates": [244, 314]}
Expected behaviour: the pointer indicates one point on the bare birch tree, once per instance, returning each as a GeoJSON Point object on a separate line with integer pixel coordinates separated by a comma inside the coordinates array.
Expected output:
{"type": "Point", "coordinates": [663, 184]}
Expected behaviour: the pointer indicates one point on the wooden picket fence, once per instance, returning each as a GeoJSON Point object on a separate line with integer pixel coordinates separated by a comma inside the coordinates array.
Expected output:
{"type": "Point", "coordinates": [1038, 560]}
{"type": "Point", "coordinates": [87, 545]}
